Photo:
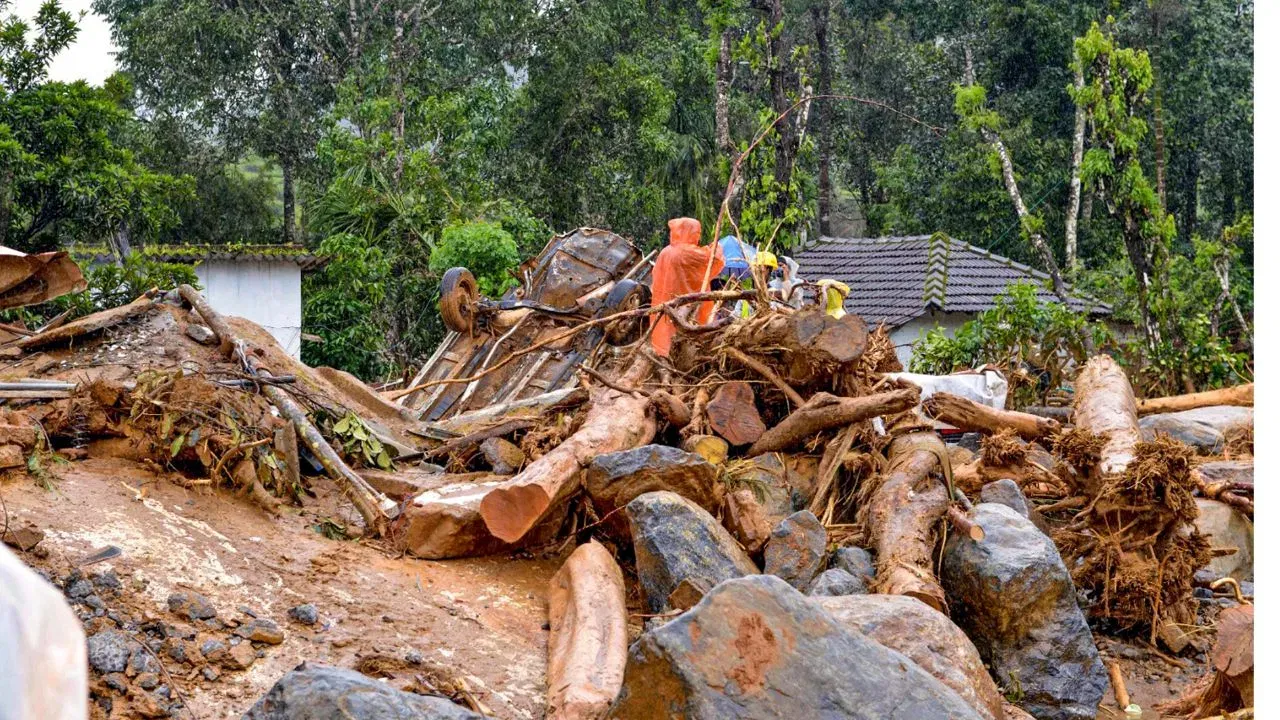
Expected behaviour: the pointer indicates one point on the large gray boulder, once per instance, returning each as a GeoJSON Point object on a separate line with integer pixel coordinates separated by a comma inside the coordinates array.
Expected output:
{"type": "Point", "coordinates": [1224, 527]}
{"type": "Point", "coordinates": [1239, 471]}
{"type": "Point", "coordinates": [318, 692]}
{"type": "Point", "coordinates": [1013, 596]}
{"type": "Point", "coordinates": [926, 636]}
{"type": "Point", "coordinates": [835, 582]}
{"type": "Point", "coordinates": [676, 540]}
{"type": "Point", "coordinates": [1201, 428]}
{"type": "Point", "coordinates": [796, 549]}
{"type": "Point", "coordinates": [754, 647]}
{"type": "Point", "coordinates": [615, 479]}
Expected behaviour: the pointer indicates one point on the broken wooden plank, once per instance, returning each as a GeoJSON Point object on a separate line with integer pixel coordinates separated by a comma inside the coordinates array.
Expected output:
{"type": "Point", "coordinates": [89, 324]}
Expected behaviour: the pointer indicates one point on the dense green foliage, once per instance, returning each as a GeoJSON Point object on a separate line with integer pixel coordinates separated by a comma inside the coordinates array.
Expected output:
{"type": "Point", "coordinates": [401, 138]}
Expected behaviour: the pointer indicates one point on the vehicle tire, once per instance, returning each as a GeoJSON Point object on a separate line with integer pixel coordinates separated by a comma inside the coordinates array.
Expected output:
{"type": "Point", "coordinates": [625, 295]}
{"type": "Point", "coordinates": [459, 299]}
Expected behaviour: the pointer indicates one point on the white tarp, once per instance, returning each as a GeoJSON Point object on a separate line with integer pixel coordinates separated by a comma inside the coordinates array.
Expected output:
{"type": "Point", "coordinates": [43, 668]}
{"type": "Point", "coordinates": [985, 386]}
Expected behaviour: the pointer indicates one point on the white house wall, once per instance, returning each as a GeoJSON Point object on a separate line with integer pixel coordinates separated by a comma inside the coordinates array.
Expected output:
{"type": "Point", "coordinates": [267, 292]}
{"type": "Point", "coordinates": [905, 336]}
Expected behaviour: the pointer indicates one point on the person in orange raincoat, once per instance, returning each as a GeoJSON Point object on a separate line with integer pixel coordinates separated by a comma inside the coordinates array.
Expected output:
{"type": "Point", "coordinates": [679, 270]}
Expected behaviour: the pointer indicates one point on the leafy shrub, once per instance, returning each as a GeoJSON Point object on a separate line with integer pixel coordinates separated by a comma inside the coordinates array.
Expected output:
{"type": "Point", "coordinates": [484, 248]}
{"type": "Point", "coordinates": [112, 285]}
{"type": "Point", "coordinates": [341, 304]}
{"type": "Point", "coordinates": [1035, 343]}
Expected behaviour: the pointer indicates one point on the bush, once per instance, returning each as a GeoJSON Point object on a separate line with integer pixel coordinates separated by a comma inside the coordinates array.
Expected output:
{"type": "Point", "coordinates": [484, 248]}
{"type": "Point", "coordinates": [115, 285]}
{"type": "Point", "coordinates": [341, 304]}
{"type": "Point", "coordinates": [1034, 343]}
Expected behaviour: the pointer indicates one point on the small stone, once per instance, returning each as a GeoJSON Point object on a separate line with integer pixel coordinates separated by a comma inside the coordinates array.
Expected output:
{"type": "Point", "coordinates": [836, 582]}
{"type": "Point", "coordinates": [239, 657]}
{"type": "Point", "coordinates": [247, 610]}
{"type": "Point", "coordinates": [117, 682]}
{"type": "Point", "coordinates": [109, 651]}
{"type": "Point", "coordinates": [176, 652]}
{"type": "Point", "coordinates": [106, 580]}
{"type": "Point", "coordinates": [148, 681]}
{"type": "Point", "coordinates": [95, 602]}
{"type": "Point", "coordinates": [192, 606]}
{"type": "Point", "coordinates": [142, 662]}
{"type": "Point", "coordinates": [796, 549]}
{"type": "Point", "coordinates": [413, 657]}
{"type": "Point", "coordinates": [1006, 492]}
{"type": "Point", "coordinates": [261, 630]}
{"type": "Point", "coordinates": [305, 614]}
{"type": "Point", "coordinates": [12, 456]}
{"type": "Point", "coordinates": [201, 334]}
{"type": "Point", "coordinates": [502, 455]}
{"type": "Point", "coordinates": [855, 561]}
{"type": "Point", "coordinates": [213, 649]}
{"type": "Point", "coordinates": [79, 589]}
{"type": "Point", "coordinates": [675, 539]}
{"type": "Point", "coordinates": [210, 673]}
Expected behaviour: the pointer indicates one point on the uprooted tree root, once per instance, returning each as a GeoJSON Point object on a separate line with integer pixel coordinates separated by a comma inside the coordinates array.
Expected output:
{"type": "Point", "coordinates": [218, 435]}
{"type": "Point", "coordinates": [1135, 545]}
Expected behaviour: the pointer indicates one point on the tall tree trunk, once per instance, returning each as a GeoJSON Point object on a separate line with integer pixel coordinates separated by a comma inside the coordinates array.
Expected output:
{"type": "Point", "coordinates": [1157, 105]}
{"type": "Point", "coordinates": [822, 117]}
{"type": "Point", "coordinates": [1073, 198]}
{"type": "Point", "coordinates": [1038, 242]}
{"type": "Point", "coordinates": [724, 79]}
{"type": "Point", "coordinates": [288, 199]}
{"type": "Point", "coordinates": [784, 153]}
{"type": "Point", "coordinates": [1188, 193]}
{"type": "Point", "coordinates": [397, 78]}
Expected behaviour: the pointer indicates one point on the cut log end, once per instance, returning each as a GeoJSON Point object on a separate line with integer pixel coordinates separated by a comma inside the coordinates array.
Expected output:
{"type": "Point", "coordinates": [511, 511]}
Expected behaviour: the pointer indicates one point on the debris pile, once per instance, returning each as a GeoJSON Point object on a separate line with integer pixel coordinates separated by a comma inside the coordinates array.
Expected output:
{"type": "Point", "coordinates": [761, 521]}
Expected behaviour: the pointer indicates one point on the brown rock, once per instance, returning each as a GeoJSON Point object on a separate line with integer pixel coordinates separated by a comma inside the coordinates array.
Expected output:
{"type": "Point", "coordinates": [239, 657]}
{"type": "Point", "coordinates": [688, 593]}
{"type": "Point", "coordinates": [732, 413]}
{"type": "Point", "coordinates": [502, 455]}
{"type": "Point", "coordinates": [261, 630]}
{"type": "Point", "coordinates": [761, 496]}
{"type": "Point", "coordinates": [446, 523]}
{"type": "Point", "coordinates": [24, 538]}
{"type": "Point", "coordinates": [926, 636]}
{"type": "Point", "coordinates": [23, 436]}
{"type": "Point", "coordinates": [709, 447]}
{"type": "Point", "coordinates": [12, 456]}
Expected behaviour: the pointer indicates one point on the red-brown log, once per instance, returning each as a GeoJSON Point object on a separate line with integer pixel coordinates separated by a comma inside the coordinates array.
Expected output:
{"type": "Point", "coordinates": [615, 421]}
{"type": "Point", "coordinates": [587, 648]}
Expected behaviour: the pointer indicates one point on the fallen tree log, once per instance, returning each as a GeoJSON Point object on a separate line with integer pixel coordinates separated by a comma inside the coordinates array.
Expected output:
{"type": "Point", "coordinates": [1240, 395]}
{"type": "Point", "coordinates": [89, 324]}
{"type": "Point", "coordinates": [805, 346]}
{"type": "Point", "coordinates": [587, 648]}
{"type": "Point", "coordinates": [825, 411]}
{"type": "Point", "coordinates": [901, 515]}
{"type": "Point", "coordinates": [614, 421]}
{"type": "Point", "coordinates": [373, 506]}
{"type": "Point", "coordinates": [1105, 407]}
{"type": "Point", "coordinates": [970, 416]}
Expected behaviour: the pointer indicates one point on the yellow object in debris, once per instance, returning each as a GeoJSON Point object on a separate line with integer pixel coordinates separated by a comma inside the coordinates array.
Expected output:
{"type": "Point", "coordinates": [764, 258]}
{"type": "Point", "coordinates": [834, 292]}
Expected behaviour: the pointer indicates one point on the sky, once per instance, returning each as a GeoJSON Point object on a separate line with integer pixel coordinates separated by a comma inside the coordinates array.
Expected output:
{"type": "Point", "coordinates": [91, 57]}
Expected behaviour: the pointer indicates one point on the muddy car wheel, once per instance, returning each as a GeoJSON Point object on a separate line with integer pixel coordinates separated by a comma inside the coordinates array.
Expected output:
{"type": "Point", "coordinates": [626, 295]}
{"type": "Point", "coordinates": [459, 298]}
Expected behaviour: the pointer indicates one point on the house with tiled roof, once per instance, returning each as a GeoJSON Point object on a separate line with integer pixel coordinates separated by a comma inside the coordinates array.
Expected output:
{"type": "Point", "coordinates": [914, 284]}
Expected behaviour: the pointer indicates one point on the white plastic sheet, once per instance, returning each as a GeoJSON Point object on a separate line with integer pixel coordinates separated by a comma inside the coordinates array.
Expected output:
{"type": "Point", "coordinates": [985, 386]}
{"type": "Point", "coordinates": [43, 665]}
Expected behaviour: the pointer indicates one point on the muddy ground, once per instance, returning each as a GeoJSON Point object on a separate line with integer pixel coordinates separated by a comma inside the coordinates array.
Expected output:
{"type": "Point", "coordinates": [481, 621]}
{"type": "Point", "coordinates": [476, 620]}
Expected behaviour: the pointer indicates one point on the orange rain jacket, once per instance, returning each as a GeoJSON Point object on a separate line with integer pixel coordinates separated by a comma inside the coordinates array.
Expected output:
{"type": "Point", "coordinates": [679, 270]}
